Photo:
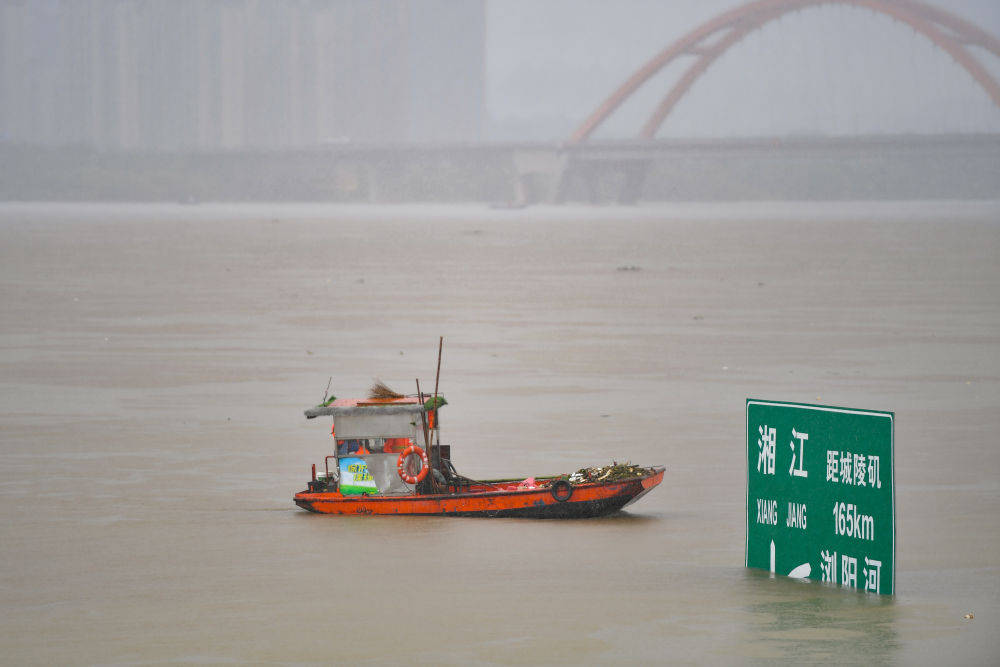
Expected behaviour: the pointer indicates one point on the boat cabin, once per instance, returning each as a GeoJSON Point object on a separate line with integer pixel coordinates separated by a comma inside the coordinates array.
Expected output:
{"type": "Point", "coordinates": [378, 443]}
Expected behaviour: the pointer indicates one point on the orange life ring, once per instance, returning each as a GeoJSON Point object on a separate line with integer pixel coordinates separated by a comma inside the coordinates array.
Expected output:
{"type": "Point", "coordinates": [425, 465]}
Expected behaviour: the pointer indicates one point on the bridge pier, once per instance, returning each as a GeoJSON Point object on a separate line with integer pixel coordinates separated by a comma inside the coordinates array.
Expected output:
{"type": "Point", "coordinates": [538, 175]}
{"type": "Point", "coordinates": [635, 173]}
{"type": "Point", "coordinates": [602, 179]}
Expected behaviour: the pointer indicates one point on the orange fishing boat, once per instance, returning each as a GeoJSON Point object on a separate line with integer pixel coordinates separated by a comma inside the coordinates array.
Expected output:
{"type": "Point", "coordinates": [378, 467]}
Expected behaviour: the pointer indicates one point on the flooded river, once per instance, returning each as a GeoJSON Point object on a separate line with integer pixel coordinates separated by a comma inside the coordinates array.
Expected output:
{"type": "Point", "coordinates": [155, 362]}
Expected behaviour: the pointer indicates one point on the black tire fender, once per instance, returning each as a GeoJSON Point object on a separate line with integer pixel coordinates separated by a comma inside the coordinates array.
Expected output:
{"type": "Point", "coordinates": [562, 490]}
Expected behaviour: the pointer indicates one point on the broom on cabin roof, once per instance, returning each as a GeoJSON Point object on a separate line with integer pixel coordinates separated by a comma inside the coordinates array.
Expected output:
{"type": "Point", "coordinates": [381, 390]}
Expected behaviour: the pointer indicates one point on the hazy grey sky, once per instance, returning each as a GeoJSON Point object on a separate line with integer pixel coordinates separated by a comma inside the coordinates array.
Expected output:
{"type": "Point", "coordinates": [231, 74]}
{"type": "Point", "coordinates": [828, 70]}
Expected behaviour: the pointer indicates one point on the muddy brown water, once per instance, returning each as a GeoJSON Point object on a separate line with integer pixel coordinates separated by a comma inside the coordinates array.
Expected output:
{"type": "Point", "coordinates": [155, 362]}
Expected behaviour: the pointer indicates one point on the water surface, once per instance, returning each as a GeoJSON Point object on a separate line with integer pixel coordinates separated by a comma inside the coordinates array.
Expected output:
{"type": "Point", "coordinates": [155, 362]}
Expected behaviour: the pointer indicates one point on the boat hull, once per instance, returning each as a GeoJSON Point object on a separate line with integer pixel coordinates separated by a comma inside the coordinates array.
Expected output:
{"type": "Point", "coordinates": [586, 500]}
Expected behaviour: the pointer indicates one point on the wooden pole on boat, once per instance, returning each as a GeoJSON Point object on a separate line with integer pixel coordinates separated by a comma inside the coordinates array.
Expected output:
{"type": "Point", "coordinates": [423, 420]}
{"type": "Point", "coordinates": [437, 379]}
{"type": "Point", "coordinates": [423, 415]}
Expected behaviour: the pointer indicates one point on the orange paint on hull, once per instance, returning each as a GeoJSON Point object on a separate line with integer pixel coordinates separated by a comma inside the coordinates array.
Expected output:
{"type": "Point", "coordinates": [587, 500]}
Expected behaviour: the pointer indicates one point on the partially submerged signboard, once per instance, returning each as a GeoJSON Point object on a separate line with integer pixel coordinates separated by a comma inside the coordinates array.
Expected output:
{"type": "Point", "coordinates": [820, 500]}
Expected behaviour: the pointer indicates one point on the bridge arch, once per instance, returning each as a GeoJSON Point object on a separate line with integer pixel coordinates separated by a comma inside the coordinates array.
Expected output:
{"type": "Point", "coordinates": [710, 40]}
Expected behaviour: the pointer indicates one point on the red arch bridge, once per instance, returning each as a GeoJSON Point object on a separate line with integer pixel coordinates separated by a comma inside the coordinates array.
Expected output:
{"type": "Point", "coordinates": [706, 43]}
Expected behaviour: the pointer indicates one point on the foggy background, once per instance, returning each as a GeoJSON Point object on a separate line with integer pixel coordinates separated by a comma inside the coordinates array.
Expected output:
{"type": "Point", "coordinates": [365, 101]}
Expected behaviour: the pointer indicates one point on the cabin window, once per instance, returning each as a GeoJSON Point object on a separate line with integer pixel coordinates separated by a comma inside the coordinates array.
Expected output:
{"type": "Point", "coordinates": [363, 446]}
{"type": "Point", "coordinates": [358, 446]}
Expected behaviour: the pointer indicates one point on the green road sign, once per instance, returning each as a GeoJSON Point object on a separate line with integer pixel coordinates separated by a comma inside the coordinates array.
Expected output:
{"type": "Point", "coordinates": [820, 500]}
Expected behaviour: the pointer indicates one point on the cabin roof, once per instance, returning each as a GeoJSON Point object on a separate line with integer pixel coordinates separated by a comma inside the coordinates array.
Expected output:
{"type": "Point", "coordinates": [367, 406]}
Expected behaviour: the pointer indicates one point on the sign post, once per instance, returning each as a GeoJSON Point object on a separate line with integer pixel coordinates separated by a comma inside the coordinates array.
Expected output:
{"type": "Point", "coordinates": [820, 498]}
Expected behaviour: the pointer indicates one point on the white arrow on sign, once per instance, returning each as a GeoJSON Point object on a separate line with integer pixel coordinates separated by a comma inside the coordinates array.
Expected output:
{"type": "Point", "coordinates": [800, 572]}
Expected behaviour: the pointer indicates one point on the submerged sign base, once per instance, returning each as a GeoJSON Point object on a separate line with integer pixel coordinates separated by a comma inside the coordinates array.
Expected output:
{"type": "Point", "coordinates": [820, 499]}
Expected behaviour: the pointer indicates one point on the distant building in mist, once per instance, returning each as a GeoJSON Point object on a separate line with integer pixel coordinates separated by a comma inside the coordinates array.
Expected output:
{"type": "Point", "coordinates": [178, 75]}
